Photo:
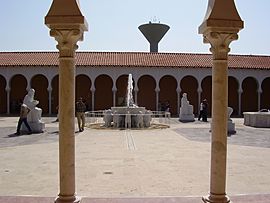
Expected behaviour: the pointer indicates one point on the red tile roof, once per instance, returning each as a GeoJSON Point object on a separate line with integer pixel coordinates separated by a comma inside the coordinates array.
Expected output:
{"type": "Point", "coordinates": [134, 59]}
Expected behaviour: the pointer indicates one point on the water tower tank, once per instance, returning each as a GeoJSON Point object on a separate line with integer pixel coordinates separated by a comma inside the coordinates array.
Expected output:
{"type": "Point", "coordinates": [154, 32]}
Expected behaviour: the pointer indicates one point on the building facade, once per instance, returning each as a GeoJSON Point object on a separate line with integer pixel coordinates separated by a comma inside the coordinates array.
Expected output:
{"type": "Point", "coordinates": [101, 79]}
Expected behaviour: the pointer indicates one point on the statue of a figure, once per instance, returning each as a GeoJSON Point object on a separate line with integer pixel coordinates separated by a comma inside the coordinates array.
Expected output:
{"type": "Point", "coordinates": [186, 110]}
{"type": "Point", "coordinates": [35, 112]}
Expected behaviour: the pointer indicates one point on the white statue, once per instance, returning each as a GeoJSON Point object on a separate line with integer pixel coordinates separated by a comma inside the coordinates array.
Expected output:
{"type": "Point", "coordinates": [35, 112]}
{"type": "Point", "coordinates": [230, 124]}
{"type": "Point", "coordinates": [108, 118]}
{"type": "Point", "coordinates": [186, 110]}
{"type": "Point", "coordinates": [34, 116]}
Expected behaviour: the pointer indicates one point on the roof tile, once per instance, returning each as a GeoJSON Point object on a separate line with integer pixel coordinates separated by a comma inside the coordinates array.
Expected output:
{"type": "Point", "coordinates": [134, 59]}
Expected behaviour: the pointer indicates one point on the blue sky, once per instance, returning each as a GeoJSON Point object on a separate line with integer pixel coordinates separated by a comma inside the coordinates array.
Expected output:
{"type": "Point", "coordinates": [113, 25]}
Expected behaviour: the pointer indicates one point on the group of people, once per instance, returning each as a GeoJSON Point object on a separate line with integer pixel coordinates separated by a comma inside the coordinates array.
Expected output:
{"type": "Point", "coordinates": [26, 108]}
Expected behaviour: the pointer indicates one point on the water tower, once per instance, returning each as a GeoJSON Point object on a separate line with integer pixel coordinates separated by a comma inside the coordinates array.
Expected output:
{"type": "Point", "coordinates": [154, 32]}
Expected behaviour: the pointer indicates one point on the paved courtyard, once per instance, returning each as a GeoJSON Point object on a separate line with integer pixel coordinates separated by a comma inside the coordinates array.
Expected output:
{"type": "Point", "coordinates": [133, 163]}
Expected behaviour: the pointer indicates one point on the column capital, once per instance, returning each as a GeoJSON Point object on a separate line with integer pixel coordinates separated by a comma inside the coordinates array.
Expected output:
{"type": "Point", "coordinates": [67, 41]}
{"type": "Point", "coordinates": [219, 42]}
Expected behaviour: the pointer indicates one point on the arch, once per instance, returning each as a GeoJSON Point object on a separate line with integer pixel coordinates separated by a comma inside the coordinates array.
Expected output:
{"type": "Point", "coordinates": [55, 93]}
{"type": "Point", "coordinates": [40, 84]}
{"type": "Point", "coordinates": [249, 97]}
{"type": "Point", "coordinates": [82, 89]}
{"type": "Point", "coordinates": [233, 99]}
{"type": "Point", "coordinates": [18, 85]}
{"type": "Point", "coordinates": [121, 85]}
{"type": "Point", "coordinates": [146, 93]}
{"type": "Point", "coordinates": [168, 85]}
{"type": "Point", "coordinates": [3, 95]}
{"type": "Point", "coordinates": [207, 92]}
{"type": "Point", "coordinates": [103, 93]}
{"type": "Point", "coordinates": [265, 96]}
{"type": "Point", "coordinates": [189, 85]}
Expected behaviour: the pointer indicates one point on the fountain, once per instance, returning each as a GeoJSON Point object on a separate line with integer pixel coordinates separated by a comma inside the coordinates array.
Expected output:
{"type": "Point", "coordinates": [129, 116]}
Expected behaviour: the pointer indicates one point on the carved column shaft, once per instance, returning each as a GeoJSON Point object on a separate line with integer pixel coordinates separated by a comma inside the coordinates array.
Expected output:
{"type": "Point", "coordinates": [8, 99]}
{"type": "Point", "coordinates": [157, 99]}
{"type": "Point", "coordinates": [220, 48]}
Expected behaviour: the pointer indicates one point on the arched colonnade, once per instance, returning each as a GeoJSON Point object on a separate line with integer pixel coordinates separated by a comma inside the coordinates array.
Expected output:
{"type": "Point", "coordinates": [106, 87]}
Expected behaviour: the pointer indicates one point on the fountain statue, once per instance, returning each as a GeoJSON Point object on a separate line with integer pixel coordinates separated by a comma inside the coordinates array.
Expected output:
{"type": "Point", "coordinates": [129, 116]}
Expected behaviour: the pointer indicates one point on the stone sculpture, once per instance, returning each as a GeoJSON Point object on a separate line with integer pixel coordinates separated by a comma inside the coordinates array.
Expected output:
{"type": "Point", "coordinates": [34, 116]}
{"type": "Point", "coordinates": [230, 125]}
{"type": "Point", "coordinates": [186, 110]}
{"type": "Point", "coordinates": [108, 118]}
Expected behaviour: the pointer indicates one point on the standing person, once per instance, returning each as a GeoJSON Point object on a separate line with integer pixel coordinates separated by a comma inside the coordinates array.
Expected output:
{"type": "Point", "coordinates": [23, 119]}
{"type": "Point", "coordinates": [167, 106]}
{"type": "Point", "coordinates": [204, 113]}
{"type": "Point", "coordinates": [201, 111]}
{"type": "Point", "coordinates": [80, 113]}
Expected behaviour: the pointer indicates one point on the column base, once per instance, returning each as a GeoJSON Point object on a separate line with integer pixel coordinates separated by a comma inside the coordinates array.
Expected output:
{"type": "Point", "coordinates": [213, 198]}
{"type": "Point", "coordinates": [67, 199]}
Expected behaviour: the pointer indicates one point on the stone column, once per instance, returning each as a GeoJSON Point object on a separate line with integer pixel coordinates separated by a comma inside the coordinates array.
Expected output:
{"type": "Point", "coordinates": [67, 40]}
{"type": "Point", "coordinates": [240, 100]}
{"type": "Point", "coordinates": [8, 99]}
{"type": "Point", "coordinates": [157, 97]}
{"type": "Point", "coordinates": [49, 89]}
{"type": "Point", "coordinates": [136, 95]}
{"type": "Point", "coordinates": [67, 25]}
{"type": "Point", "coordinates": [259, 98]}
{"type": "Point", "coordinates": [220, 48]}
{"type": "Point", "coordinates": [219, 28]}
{"type": "Point", "coordinates": [114, 90]}
{"type": "Point", "coordinates": [178, 90]}
{"type": "Point", "coordinates": [93, 89]}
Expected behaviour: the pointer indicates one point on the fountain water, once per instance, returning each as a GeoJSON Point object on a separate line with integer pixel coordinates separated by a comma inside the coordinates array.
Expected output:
{"type": "Point", "coordinates": [130, 115]}
{"type": "Point", "coordinates": [129, 98]}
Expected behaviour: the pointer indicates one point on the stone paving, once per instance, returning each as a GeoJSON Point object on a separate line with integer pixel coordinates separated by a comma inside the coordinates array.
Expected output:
{"type": "Point", "coordinates": [133, 163]}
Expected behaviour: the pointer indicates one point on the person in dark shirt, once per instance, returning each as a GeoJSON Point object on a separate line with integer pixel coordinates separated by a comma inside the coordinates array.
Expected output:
{"type": "Point", "coordinates": [204, 113]}
{"type": "Point", "coordinates": [80, 113]}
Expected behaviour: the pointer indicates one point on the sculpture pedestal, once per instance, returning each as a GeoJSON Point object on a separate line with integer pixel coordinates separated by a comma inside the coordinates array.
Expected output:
{"type": "Point", "coordinates": [231, 127]}
{"type": "Point", "coordinates": [186, 117]}
{"type": "Point", "coordinates": [37, 127]}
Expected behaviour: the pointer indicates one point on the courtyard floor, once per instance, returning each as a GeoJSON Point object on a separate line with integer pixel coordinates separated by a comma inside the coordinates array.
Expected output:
{"type": "Point", "coordinates": [121, 164]}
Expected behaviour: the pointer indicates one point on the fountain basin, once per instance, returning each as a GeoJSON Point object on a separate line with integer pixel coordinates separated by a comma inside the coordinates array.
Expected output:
{"type": "Point", "coordinates": [127, 117]}
{"type": "Point", "coordinates": [125, 109]}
